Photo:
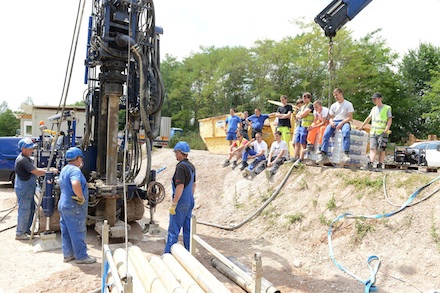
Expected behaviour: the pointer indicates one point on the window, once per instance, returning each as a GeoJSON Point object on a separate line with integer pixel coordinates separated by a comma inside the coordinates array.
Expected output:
{"type": "Point", "coordinates": [27, 128]}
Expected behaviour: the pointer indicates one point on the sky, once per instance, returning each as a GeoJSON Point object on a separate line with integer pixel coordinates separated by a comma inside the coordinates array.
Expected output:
{"type": "Point", "coordinates": [36, 35]}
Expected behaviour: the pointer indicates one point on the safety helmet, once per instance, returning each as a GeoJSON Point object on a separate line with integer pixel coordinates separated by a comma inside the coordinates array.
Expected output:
{"type": "Point", "coordinates": [182, 146]}
{"type": "Point", "coordinates": [72, 153]}
{"type": "Point", "coordinates": [26, 143]}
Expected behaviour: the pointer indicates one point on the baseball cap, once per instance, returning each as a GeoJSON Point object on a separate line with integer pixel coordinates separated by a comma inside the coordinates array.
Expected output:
{"type": "Point", "coordinates": [26, 143]}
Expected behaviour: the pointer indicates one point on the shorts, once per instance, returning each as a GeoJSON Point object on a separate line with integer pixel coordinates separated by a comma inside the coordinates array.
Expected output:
{"type": "Point", "coordinates": [378, 142]}
{"type": "Point", "coordinates": [301, 135]}
{"type": "Point", "coordinates": [231, 136]}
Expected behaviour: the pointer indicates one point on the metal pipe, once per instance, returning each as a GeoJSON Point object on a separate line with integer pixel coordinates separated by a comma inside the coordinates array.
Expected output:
{"type": "Point", "coordinates": [182, 276]}
{"type": "Point", "coordinates": [233, 276]}
{"type": "Point", "coordinates": [146, 274]}
{"type": "Point", "coordinates": [266, 285]}
{"type": "Point", "coordinates": [203, 277]}
{"type": "Point", "coordinates": [165, 275]}
{"type": "Point", "coordinates": [223, 259]}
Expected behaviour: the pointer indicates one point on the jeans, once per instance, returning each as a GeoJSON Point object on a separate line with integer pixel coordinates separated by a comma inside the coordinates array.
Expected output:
{"type": "Point", "coordinates": [73, 230]}
{"type": "Point", "coordinates": [251, 152]}
{"type": "Point", "coordinates": [345, 136]}
{"type": "Point", "coordinates": [25, 191]}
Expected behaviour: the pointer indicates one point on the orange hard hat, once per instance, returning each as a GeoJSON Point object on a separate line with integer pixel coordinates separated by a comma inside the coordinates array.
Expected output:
{"type": "Point", "coordinates": [41, 122]}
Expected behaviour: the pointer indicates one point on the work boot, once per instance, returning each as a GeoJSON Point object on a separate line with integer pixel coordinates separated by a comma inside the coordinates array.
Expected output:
{"type": "Point", "coordinates": [226, 163]}
{"type": "Point", "coordinates": [346, 159]}
{"type": "Point", "coordinates": [234, 165]}
{"type": "Point", "coordinates": [243, 166]}
{"type": "Point", "coordinates": [69, 258]}
{"type": "Point", "coordinates": [323, 159]}
{"type": "Point", "coordinates": [87, 260]}
{"type": "Point", "coordinates": [21, 237]}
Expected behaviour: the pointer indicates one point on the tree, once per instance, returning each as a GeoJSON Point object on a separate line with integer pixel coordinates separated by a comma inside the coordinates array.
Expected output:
{"type": "Point", "coordinates": [8, 123]}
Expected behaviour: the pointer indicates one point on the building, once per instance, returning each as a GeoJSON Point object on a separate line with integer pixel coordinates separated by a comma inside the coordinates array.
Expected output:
{"type": "Point", "coordinates": [32, 116]}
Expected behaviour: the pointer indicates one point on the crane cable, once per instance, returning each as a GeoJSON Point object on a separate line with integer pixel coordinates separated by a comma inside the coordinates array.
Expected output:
{"type": "Point", "coordinates": [331, 70]}
{"type": "Point", "coordinates": [65, 91]}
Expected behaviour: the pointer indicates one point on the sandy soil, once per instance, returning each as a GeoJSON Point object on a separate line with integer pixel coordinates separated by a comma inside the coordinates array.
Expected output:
{"type": "Point", "coordinates": [290, 232]}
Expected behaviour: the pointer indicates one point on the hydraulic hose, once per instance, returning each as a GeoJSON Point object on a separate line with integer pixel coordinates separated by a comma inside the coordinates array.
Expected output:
{"type": "Point", "coordinates": [257, 212]}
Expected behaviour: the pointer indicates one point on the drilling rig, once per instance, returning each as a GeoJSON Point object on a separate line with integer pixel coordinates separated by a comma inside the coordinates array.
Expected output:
{"type": "Point", "coordinates": [122, 76]}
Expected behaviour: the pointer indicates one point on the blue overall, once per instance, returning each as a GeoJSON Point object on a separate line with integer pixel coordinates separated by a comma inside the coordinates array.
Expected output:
{"type": "Point", "coordinates": [345, 136]}
{"type": "Point", "coordinates": [25, 190]}
{"type": "Point", "coordinates": [182, 218]}
{"type": "Point", "coordinates": [72, 215]}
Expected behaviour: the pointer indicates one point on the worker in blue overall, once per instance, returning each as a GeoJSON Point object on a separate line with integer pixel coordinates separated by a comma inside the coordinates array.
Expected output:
{"type": "Point", "coordinates": [73, 209]}
{"type": "Point", "coordinates": [184, 185]}
{"type": "Point", "coordinates": [25, 185]}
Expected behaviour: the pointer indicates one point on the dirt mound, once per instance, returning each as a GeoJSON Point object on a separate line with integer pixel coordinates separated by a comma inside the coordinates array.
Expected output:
{"type": "Point", "coordinates": [291, 232]}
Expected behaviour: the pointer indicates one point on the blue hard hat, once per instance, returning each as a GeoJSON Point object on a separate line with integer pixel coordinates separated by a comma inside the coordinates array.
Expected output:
{"type": "Point", "coordinates": [73, 153]}
{"type": "Point", "coordinates": [26, 143]}
{"type": "Point", "coordinates": [182, 146]}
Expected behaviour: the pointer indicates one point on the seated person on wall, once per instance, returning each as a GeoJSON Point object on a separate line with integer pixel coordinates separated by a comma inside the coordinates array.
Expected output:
{"type": "Point", "coordinates": [255, 149]}
{"type": "Point", "coordinates": [236, 150]}
{"type": "Point", "coordinates": [279, 153]}
{"type": "Point", "coordinates": [341, 114]}
{"type": "Point", "coordinates": [318, 126]}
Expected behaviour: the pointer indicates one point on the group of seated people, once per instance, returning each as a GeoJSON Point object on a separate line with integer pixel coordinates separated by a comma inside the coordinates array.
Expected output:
{"type": "Point", "coordinates": [254, 154]}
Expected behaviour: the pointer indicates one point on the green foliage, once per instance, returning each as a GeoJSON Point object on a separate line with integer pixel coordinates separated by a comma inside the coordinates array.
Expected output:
{"type": "Point", "coordinates": [361, 229]}
{"type": "Point", "coordinates": [331, 204]}
{"type": "Point", "coordinates": [294, 218]}
{"type": "Point", "coordinates": [434, 232]}
{"type": "Point", "coordinates": [323, 220]}
{"type": "Point", "coordinates": [208, 83]}
{"type": "Point", "coordinates": [192, 138]}
{"type": "Point", "coordinates": [361, 183]}
{"type": "Point", "coordinates": [8, 123]}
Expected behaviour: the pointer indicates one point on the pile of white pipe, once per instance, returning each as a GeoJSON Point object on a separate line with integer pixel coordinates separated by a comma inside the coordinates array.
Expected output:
{"type": "Point", "coordinates": [177, 272]}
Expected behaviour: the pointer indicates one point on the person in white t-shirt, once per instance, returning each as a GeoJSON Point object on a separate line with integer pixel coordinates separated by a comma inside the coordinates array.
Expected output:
{"type": "Point", "coordinates": [255, 149]}
{"type": "Point", "coordinates": [279, 153]}
{"type": "Point", "coordinates": [341, 114]}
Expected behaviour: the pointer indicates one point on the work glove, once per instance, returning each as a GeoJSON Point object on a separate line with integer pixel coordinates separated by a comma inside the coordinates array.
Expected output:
{"type": "Point", "coordinates": [173, 208]}
{"type": "Point", "coordinates": [80, 201]}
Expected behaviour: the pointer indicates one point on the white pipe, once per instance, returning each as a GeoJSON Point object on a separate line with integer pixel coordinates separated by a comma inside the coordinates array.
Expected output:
{"type": "Point", "coordinates": [181, 274]}
{"type": "Point", "coordinates": [113, 269]}
{"type": "Point", "coordinates": [120, 257]}
{"type": "Point", "coordinates": [148, 277]}
{"type": "Point", "coordinates": [203, 277]}
{"type": "Point", "coordinates": [165, 275]}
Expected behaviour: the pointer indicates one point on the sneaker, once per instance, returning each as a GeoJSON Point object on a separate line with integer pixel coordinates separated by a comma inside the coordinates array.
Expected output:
{"type": "Point", "coordinates": [294, 159]}
{"type": "Point", "coordinates": [380, 166]}
{"type": "Point", "coordinates": [269, 174]}
{"type": "Point", "coordinates": [250, 173]}
{"type": "Point", "coordinates": [234, 165]}
{"type": "Point", "coordinates": [323, 159]}
{"type": "Point", "coordinates": [226, 163]}
{"type": "Point", "coordinates": [87, 260]}
{"type": "Point", "coordinates": [21, 237]}
{"type": "Point", "coordinates": [368, 166]}
{"type": "Point", "coordinates": [309, 148]}
{"type": "Point", "coordinates": [243, 166]}
{"type": "Point", "coordinates": [297, 163]}
{"type": "Point", "coordinates": [318, 152]}
{"type": "Point", "coordinates": [69, 258]}
{"type": "Point", "coordinates": [346, 159]}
